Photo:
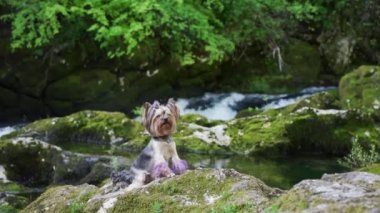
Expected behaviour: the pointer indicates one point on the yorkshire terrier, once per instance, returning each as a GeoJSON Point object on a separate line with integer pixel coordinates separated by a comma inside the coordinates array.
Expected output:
{"type": "Point", "coordinates": [159, 158]}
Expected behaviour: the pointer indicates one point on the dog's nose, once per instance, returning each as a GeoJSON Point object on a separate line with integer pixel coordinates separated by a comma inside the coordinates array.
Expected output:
{"type": "Point", "coordinates": [165, 119]}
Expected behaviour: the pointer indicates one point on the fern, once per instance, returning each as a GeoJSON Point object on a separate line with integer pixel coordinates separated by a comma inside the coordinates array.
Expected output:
{"type": "Point", "coordinates": [358, 157]}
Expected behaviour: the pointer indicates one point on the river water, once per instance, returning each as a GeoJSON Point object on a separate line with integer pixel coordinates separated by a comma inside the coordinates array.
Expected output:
{"type": "Point", "coordinates": [225, 106]}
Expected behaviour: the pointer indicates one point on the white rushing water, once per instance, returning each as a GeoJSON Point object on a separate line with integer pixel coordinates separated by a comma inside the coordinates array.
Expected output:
{"type": "Point", "coordinates": [220, 110]}
{"type": "Point", "coordinates": [3, 178]}
{"type": "Point", "coordinates": [6, 130]}
{"type": "Point", "coordinates": [224, 106]}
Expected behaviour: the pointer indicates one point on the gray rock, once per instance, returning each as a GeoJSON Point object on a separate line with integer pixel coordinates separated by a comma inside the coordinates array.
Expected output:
{"type": "Point", "coordinates": [46, 163]}
{"type": "Point", "coordinates": [347, 192]}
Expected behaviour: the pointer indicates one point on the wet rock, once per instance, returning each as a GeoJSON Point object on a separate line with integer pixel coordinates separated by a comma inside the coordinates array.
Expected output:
{"type": "Point", "coordinates": [347, 192]}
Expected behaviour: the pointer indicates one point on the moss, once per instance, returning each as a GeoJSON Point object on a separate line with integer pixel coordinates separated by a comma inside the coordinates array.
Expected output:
{"type": "Point", "coordinates": [374, 168]}
{"type": "Point", "coordinates": [199, 119]}
{"type": "Point", "coordinates": [259, 133]}
{"type": "Point", "coordinates": [322, 100]}
{"type": "Point", "coordinates": [175, 192]}
{"type": "Point", "coordinates": [62, 199]}
{"type": "Point", "coordinates": [288, 130]}
{"type": "Point", "coordinates": [360, 89]}
{"type": "Point", "coordinates": [94, 127]}
{"type": "Point", "coordinates": [294, 202]}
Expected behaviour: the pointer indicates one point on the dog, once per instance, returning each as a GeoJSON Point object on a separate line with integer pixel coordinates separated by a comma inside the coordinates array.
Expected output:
{"type": "Point", "coordinates": [159, 158]}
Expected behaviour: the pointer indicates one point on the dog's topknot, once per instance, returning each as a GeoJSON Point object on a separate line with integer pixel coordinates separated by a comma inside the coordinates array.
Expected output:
{"type": "Point", "coordinates": [160, 120]}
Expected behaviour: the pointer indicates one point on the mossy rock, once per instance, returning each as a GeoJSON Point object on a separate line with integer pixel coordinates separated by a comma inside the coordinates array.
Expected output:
{"type": "Point", "coordinates": [307, 129]}
{"type": "Point", "coordinates": [36, 163]}
{"type": "Point", "coordinates": [211, 190]}
{"type": "Point", "coordinates": [200, 120]}
{"type": "Point", "coordinates": [360, 89]}
{"type": "Point", "coordinates": [218, 190]}
{"type": "Point", "coordinates": [322, 100]}
{"type": "Point", "coordinates": [81, 86]}
{"type": "Point", "coordinates": [93, 127]}
{"type": "Point", "coordinates": [65, 199]}
{"type": "Point", "coordinates": [347, 192]}
{"type": "Point", "coordinates": [28, 161]}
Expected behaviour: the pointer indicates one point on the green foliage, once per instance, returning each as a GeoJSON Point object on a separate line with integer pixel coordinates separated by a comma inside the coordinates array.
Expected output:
{"type": "Point", "coordinates": [359, 157]}
{"type": "Point", "coordinates": [138, 111]}
{"type": "Point", "coordinates": [187, 31]}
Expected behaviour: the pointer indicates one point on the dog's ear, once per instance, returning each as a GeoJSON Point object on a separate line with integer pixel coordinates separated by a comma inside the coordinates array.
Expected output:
{"type": "Point", "coordinates": [173, 107]}
{"type": "Point", "coordinates": [145, 113]}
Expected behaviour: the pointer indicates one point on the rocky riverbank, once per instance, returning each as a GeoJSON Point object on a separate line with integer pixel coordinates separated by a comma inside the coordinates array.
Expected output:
{"type": "Point", "coordinates": [209, 190]}
{"type": "Point", "coordinates": [35, 155]}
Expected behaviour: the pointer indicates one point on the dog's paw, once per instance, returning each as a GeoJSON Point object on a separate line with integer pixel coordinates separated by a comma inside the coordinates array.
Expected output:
{"type": "Point", "coordinates": [179, 167]}
{"type": "Point", "coordinates": [161, 170]}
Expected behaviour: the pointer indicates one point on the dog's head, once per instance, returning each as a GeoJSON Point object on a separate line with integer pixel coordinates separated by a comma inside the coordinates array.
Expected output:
{"type": "Point", "coordinates": [160, 120]}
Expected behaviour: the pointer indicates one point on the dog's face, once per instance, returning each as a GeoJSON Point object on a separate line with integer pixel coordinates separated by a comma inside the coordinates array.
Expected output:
{"type": "Point", "coordinates": [160, 120]}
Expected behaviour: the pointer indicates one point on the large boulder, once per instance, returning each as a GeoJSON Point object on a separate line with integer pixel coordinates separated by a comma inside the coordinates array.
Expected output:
{"type": "Point", "coordinates": [305, 129]}
{"type": "Point", "coordinates": [360, 89]}
{"type": "Point", "coordinates": [91, 127]}
{"type": "Point", "coordinates": [347, 192]}
{"type": "Point", "coordinates": [217, 190]}
{"type": "Point", "coordinates": [37, 163]}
